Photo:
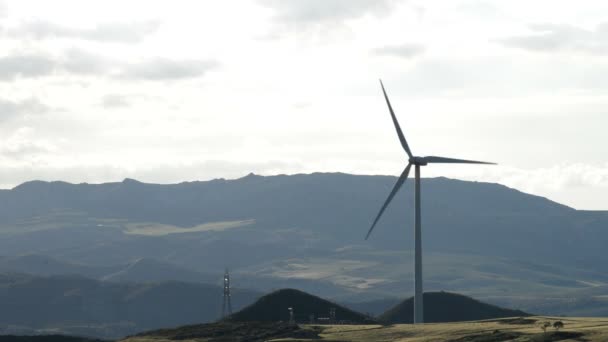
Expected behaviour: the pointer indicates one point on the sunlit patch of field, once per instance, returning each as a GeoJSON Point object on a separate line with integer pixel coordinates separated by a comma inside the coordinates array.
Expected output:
{"type": "Point", "coordinates": [591, 283]}
{"type": "Point", "coordinates": [508, 329]}
{"type": "Point", "coordinates": [339, 272]}
{"type": "Point", "coordinates": [157, 229]}
{"type": "Point", "coordinates": [575, 329]}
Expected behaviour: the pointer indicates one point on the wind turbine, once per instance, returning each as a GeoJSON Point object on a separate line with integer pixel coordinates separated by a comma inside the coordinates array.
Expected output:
{"type": "Point", "coordinates": [417, 162]}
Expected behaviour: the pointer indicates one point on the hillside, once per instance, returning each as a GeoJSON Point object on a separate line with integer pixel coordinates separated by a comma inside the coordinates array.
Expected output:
{"type": "Point", "coordinates": [374, 307]}
{"type": "Point", "coordinates": [82, 306]}
{"type": "Point", "coordinates": [225, 331]}
{"type": "Point", "coordinates": [306, 231]}
{"type": "Point", "coordinates": [447, 307]}
{"type": "Point", "coordinates": [46, 338]}
{"type": "Point", "coordinates": [139, 270]}
{"type": "Point", "coordinates": [44, 265]}
{"type": "Point", "coordinates": [150, 270]}
{"type": "Point", "coordinates": [323, 208]}
{"type": "Point", "coordinates": [273, 307]}
{"type": "Point", "coordinates": [524, 330]}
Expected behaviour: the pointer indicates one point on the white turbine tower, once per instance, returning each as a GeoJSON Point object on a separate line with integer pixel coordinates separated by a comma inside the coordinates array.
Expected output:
{"type": "Point", "coordinates": [417, 162]}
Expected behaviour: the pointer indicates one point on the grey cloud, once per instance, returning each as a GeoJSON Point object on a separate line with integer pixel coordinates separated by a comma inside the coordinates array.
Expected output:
{"type": "Point", "coordinates": [23, 144]}
{"type": "Point", "coordinates": [402, 51]}
{"type": "Point", "coordinates": [24, 149]}
{"type": "Point", "coordinates": [109, 32]}
{"type": "Point", "coordinates": [481, 9]}
{"type": "Point", "coordinates": [554, 37]}
{"type": "Point", "coordinates": [311, 12]}
{"type": "Point", "coordinates": [161, 69]}
{"type": "Point", "coordinates": [32, 65]}
{"type": "Point", "coordinates": [115, 101]}
{"type": "Point", "coordinates": [25, 65]}
{"type": "Point", "coordinates": [10, 109]}
{"type": "Point", "coordinates": [80, 62]}
{"type": "Point", "coordinates": [497, 76]}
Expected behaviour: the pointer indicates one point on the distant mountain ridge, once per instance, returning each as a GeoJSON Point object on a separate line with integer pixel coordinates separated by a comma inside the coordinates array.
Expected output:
{"type": "Point", "coordinates": [134, 199]}
{"type": "Point", "coordinates": [306, 231]}
{"type": "Point", "coordinates": [333, 206]}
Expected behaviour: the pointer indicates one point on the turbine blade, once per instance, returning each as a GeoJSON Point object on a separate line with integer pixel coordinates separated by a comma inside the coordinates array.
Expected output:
{"type": "Point", "coordinates": [434, 159]}
{"type": "Point", "coordinates": [396, 188]}
{"type": "Point", "coordinates": [397, 127]}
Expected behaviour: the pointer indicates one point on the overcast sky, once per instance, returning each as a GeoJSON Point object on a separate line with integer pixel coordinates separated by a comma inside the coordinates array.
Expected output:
{"type": "Point", "coordinates": [170, 91]}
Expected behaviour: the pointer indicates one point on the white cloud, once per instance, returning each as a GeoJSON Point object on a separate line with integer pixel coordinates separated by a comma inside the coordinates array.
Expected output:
{"type": "Point", "coordinates": [402, 51]}
{"type": "Point", "coordinates": [321, 17]}
{"type": "Point", "coordinates": [554, 178]}
{"type": "Point", "coordinates": [25, 65]}
{"type": "Point", "coordinates": [85, 63]}
{"type": "Point", "coordinates": [561, 37]}
{"type": "Point", "coordinates": [115, 101]}
{"type": "Point", "coordinates": [313, 12]}
{"type": "Point", "coordinates": [23, 145]}
{"type": "Point", "coordinates": [202, 96]}
{"type": "Point", "coordinates": [27, 107]}
{"type": "Point", "coordinates": [118, 32]}
{"type": "Point", "coordinates": [17, 173]}
{"type": "Point", "coordinates": [160, 69]}
{"type": "Point", "coordinates": [40, 64]}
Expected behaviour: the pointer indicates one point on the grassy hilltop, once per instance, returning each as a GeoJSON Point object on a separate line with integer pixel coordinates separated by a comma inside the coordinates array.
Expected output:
{"type": "Point", "coordinates": [267, 320]}
{"type": "Point", "coordinates": [506, 329]}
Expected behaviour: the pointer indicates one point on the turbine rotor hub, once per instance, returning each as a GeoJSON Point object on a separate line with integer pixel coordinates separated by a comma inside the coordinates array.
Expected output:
{"type": "Point", "coordinates": [421, 161]}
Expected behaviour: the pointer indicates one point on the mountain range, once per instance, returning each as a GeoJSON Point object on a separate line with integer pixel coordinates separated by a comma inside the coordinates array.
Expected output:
{"type": "Point", "coordinates": [306, 231]}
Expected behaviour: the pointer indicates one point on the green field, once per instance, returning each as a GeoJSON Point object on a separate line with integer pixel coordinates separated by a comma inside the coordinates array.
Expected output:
{"type": "Point", "coordinates": [509, 329]}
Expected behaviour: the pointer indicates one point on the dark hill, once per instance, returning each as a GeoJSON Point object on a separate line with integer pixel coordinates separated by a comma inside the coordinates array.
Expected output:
{"type": "Point", "coordinates": [46, 338]}
{"type": "Point", "coordinates": [447, 307]}
{"type": "Point", "coordinates": [273, 307]}
{"type": "Point", "coordinates": [225, 331]}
